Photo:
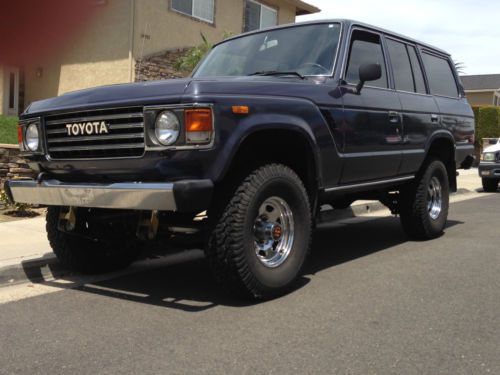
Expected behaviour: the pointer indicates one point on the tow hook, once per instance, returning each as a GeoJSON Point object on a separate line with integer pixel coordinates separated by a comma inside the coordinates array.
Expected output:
{"type": "Point", "coordinates": [147, 228]}
{"type": "Point", "coordinates": [67, 220]}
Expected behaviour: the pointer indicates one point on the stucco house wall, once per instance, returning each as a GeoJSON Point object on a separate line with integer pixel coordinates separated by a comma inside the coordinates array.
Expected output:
{"type": "Point", "coordinates": [123, 32]}
{"type": "Point", "coordinates": [480, 98]}
{"type": "Point", "coordinates": [98, 56]}
{"type": "Point", "coordinates": [155, 21]}
{"type": "Point", "coordinates": [2, 109]}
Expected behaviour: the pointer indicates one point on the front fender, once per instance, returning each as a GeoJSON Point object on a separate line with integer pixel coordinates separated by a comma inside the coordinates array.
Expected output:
{"type": "Point", "coordinates": [298, 116]}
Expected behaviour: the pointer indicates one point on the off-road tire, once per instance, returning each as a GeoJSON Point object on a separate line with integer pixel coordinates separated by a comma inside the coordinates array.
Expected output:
{"type": "Point", "coordinates": [415, 217]}
{"type": "Point", "coordinates": [490, 185]}
{"type": "Point", "coordinates": [230, 247]}
{"type": "Point", "coordinates": [86, 255]}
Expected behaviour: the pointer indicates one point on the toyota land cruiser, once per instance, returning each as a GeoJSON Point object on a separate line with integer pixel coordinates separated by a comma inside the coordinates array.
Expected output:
{"type": "Point", "coordinates": [271, 125]}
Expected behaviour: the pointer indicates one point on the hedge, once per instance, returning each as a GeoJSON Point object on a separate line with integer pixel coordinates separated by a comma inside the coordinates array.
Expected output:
{"type": "Point", "coordinates": [487, 122]}
{"type": "Point", "coordinates": [8, 129]}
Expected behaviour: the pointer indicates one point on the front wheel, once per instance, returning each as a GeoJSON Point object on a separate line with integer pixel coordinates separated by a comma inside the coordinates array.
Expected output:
{"type": "Point", "coordinates": [490, 185]}
{"type": "Point", "coordinates": [261, 237]}
{"type": "Point", "coordinates": [89, 255]}
{"type": "Point", "coordinates": [424, 204]}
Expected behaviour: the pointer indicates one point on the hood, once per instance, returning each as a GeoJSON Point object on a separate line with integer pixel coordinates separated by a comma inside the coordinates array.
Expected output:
{"type": "Point", "coordinates": [493, 148]}
{"type": "Point", "coordinates": [105, 96]}
{"type": "Point", "coordinates": [172, 91]}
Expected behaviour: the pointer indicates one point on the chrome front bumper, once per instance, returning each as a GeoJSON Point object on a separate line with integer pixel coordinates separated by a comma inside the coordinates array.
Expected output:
{"type": "Point", "coordinates": [176, 196]}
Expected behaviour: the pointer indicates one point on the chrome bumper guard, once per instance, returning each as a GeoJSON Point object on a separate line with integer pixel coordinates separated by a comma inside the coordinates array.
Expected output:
{"type": "Point", "coordinates": [136, 196]}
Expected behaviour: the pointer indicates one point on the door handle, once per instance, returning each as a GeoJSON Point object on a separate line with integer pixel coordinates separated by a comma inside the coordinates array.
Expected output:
{"type": "Point", "coordinates": [434, 118]}
{"type": "Point", "coordinates": [394, 117]}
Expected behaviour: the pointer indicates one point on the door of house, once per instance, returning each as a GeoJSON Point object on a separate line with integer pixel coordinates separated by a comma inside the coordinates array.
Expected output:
{"type": "Point", "coordinates": [11, 91]}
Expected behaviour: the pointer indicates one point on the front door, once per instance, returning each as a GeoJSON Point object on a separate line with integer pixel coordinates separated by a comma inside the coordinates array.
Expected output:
{"type": "Point", "coordinates": [372, 128]}
{"type": "Point", "coordinates": [11, 91]}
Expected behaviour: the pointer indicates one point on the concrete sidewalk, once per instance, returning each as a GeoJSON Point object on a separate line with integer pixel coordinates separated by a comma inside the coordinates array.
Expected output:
{"type": "Point", "coordinates": [25, 244]}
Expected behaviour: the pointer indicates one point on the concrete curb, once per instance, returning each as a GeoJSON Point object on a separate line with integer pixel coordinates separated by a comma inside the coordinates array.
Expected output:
{"type": "Point", "coordinates": [48, 268]}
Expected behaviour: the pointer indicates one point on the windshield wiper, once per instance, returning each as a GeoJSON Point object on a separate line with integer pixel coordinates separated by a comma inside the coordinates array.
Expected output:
{"type": "Point", "coordinates": [277, 73]}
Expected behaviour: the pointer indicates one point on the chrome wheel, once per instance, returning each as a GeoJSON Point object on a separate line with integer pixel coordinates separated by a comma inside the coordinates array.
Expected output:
{"type": "Point", "coordinates": [434, 198]}
{"type": "Point", "coordinates": [273, 232]}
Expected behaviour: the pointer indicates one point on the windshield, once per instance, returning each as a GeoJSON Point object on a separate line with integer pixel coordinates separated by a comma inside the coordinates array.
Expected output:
{"type": "Point", "coordinates": [307, 50]}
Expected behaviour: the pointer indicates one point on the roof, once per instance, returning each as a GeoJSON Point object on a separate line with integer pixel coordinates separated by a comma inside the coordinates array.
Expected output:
{"type": "Point", "coordinates": [346, 24]}
{"type": "Point", "coordinates": [303, 7]}
{"type": "Point", "coordinates": [481, 82]}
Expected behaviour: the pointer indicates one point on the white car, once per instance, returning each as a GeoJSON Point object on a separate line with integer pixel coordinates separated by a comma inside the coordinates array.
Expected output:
{"type": "Point", "coordinates": [489, 167]}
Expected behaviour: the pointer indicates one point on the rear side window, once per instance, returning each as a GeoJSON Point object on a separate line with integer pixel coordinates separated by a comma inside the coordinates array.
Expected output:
{"type": "Point", "coordinates": [401, 66]}
{"type": "Point", "coordinates": [440, 76]}
{"type": "Point", "coordinates": [365, 49]}
{"type": "Point", "coordinates": [418, 76]}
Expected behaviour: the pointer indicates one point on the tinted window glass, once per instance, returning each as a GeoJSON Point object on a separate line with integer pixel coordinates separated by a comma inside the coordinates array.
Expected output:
{"type": "Point", "coordinates": [417, 70]}
{"type": "Point", "coordinates": [365, 49]}
{"type": "Point", "coordinates": [401, 67]}
{"type": "Point", "coordinates": [259, 16]}
{"type": "Point", "coordinates": [308, 49]}
{"type": "Point", "coordinates": [252, 16]}
{"type": "Point", "coordinates": [440, 76]}
{"type": "Point", "coordinates": [184, 6]}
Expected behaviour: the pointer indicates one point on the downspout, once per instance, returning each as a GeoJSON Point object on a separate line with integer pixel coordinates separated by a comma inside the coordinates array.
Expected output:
{"type": "Point", "coordinates": [131, 41]}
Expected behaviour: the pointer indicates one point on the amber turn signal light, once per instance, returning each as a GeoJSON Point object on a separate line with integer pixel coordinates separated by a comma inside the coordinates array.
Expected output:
{"type": "Point", "coordinates": [198, 120]}
{"type": "Point", "coordinates": [240, 109]}
{"type": "Point", "coordinates": [19, 134]}
{"type": "Point", "coordinates": [198, 124]}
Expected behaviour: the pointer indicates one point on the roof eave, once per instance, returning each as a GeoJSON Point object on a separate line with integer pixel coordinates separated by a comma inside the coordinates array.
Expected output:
{"type": "Point", "coordinates": [302, 8]}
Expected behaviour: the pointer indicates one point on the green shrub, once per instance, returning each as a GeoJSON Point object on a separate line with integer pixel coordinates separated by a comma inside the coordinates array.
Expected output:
{"type": "Point", "coordinates": [194, 55]}
{"type": "Point", "coordinates": [8, 129]}
{"type": "Point", "coordinates": [487, 122]}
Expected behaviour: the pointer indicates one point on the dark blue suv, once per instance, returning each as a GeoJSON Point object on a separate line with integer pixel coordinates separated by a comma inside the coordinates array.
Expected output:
{"type": "Point", "coordinates": [271, 125]}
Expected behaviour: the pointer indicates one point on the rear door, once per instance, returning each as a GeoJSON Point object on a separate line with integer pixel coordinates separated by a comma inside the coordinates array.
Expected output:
{"type": "Point", "coordinates": [371, 129]}
{"type": "Point", "coordinates": [420, 113]}
{"type": "Point", "coordinates": [454, 110]}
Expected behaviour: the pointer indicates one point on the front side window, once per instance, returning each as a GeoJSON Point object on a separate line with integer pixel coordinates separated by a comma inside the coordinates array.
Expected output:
{"type": "Point", "coordinates": [440, 76]}
{"type": "Point", "coordinates": [365, 48]}
{"type": "Point", "coordinates": [259, 16]}
{"type": "Point", "coordinates": [308, 50]}
{"type": "Point", "coordinates": [201, 9]}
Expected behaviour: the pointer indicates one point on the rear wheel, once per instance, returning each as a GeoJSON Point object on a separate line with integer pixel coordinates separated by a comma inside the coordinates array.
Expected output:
{"type": "Point", "coordinates": [424, 204]}
{"type": "Point", "coordinates": [261, 237]}
{"type": "Point", "coordinates": [490, 185]}
{"type": "Point", "coordinates": [87, 254]}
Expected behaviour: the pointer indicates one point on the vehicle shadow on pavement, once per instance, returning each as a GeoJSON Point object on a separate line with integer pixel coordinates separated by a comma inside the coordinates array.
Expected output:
{"type": "Point", "coordinates": [187, 284]}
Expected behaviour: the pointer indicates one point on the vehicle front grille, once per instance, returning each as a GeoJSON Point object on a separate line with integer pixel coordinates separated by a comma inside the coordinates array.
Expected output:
{"type": "Point", "coordinates": [125, 137]}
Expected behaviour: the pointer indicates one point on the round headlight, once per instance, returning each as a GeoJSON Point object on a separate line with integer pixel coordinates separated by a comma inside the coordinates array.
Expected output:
{"type": "Point", "coordinates": [167, 128]}
{"type": "Point", "coordinates": [32, 139]}
{"type": "Point", "coordinates": [489, 156]}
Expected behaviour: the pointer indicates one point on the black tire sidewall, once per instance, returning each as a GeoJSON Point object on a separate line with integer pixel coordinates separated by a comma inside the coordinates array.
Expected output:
{"type": "Point", "coordinates": [437, 169]}
{"type": "Point", "coordinates": [490, 185]}
{"type": "Point", "coordinates": [288, 190]}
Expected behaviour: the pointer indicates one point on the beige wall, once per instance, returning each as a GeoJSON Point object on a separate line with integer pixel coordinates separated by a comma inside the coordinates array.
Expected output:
{"type": "Point", "coordinates": [167, 29]}
{"type": "Point", "coordinates": [125, 30]}
{"type": "Point", "coordinates": [98, 56]}
{"type": "Point", "coordinates": [2, 109]}
{"type": "Point", "coordinates": [480, 98]}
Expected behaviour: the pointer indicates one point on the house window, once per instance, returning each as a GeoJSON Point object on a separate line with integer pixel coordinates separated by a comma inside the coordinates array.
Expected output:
{"type": "Point", "coordinates": [258, 16]}
{"type": "Point", "coordinates": [200, 9]}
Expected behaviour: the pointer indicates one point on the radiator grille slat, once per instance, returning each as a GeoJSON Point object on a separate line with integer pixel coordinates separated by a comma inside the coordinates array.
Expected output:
{"type": "Point", "coordinates": [125, 137]}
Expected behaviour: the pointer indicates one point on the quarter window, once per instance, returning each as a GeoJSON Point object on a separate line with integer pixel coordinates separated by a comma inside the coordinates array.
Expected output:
{"type": "Point", "coordinates": [440, 76]}
{"type": "Point", "coordinates": [418, 76]}
{"type": "Point", "coordinates": [365, 49]}
{"type": "Point", "coordinates": [401, 67]}
{"type": "Point", "coordinates": [258, 16]}
{"type": "Point", "coordinates": [201, 9]}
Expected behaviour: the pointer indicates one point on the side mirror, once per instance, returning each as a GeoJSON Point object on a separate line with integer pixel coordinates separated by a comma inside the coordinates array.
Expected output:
{"type": "Point", "coordinates": [368, 72]}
